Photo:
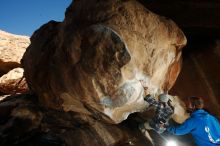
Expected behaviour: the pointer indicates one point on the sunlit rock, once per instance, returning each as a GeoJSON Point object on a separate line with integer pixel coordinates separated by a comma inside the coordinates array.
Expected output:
{"type": "Point", "coordinates": [91, 63]}
{"type": "Point", "coordinates": [13, 82]}
{"type": "Point", "coordinates": [12, 48]}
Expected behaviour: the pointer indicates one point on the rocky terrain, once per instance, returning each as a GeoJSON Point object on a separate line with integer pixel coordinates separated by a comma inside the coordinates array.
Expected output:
{"type": "Point", "coordinates": [12, 48]}
{"type": "Point", "coordinates": [85, 79]}
{"type": "Point", "coordinates": [84, 72]}
{"type": "Point", "coordinates": [95, 67]}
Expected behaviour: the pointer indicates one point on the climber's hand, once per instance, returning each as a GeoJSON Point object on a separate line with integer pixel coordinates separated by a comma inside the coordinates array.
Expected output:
{"type": "Point", "coordinates": [142, 82]}
{"type": "Point", "coordinates": [145, 88]}
{"type": "Point", "coordinates": [162, 124]}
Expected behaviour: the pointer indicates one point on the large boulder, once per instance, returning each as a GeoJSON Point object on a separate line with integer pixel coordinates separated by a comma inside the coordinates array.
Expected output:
{"type": "Point", "coordinates": [13, 82]}
{"type": "Point", "coordinates": [12, 48]}
{"type": "Point", "coordinates": [91, 63]}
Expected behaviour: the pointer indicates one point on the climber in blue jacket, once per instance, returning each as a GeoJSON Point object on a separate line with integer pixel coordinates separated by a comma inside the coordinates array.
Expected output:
{"type": "Point", "coordinates": [204, 127]}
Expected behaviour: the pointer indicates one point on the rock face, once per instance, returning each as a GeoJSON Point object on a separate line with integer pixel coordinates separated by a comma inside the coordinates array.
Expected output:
{"type": "Point", "coordinates": [12, 48]}
{"type": "Point", "coordinates": [12, 82]}
{"type": "Point", "coordinates": [92, 62]}
{"type": "Point", "coordinates": [24, 122]}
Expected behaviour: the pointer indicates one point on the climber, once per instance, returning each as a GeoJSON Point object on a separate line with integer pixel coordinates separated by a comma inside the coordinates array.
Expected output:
{"type": "Point", "coordinates": [204, 127]}
{"type": "Point", "coordinates": [164, 110]}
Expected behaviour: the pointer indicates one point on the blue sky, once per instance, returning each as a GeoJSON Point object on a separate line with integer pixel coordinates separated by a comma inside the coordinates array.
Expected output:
{"type": "Point", "coordinates": [23, 17]}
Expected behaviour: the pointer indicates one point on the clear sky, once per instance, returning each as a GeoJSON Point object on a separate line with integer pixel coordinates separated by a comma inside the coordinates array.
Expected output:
{"type": "Point", "coordinates": [23, 17]}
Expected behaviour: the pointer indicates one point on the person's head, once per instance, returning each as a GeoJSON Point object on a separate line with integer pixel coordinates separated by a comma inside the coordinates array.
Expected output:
{"type": "Point", "coordinates": [195, 103]}
{"type": "Point", "coordinates": [163, 98]}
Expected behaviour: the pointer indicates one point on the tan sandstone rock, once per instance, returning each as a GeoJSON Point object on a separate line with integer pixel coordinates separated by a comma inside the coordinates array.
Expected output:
{"type": "Point", "coordinates": [91, 63]}
{"type": "Point", "coordinates": [12, 48]}
{"type": "Point", "coordinates": [12, 82]}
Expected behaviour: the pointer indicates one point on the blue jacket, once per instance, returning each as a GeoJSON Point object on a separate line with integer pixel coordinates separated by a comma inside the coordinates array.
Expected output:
{"type": "Point", "coordinates": [204, 128]}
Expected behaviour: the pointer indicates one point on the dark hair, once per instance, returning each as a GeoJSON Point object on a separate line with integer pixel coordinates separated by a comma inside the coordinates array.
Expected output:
{"type": "Point", "coordinates": [196, 102]}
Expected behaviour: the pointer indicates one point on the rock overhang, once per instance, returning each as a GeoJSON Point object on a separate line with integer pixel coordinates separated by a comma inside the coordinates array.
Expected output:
{"type": "Point", "coordinates": [94, 59]}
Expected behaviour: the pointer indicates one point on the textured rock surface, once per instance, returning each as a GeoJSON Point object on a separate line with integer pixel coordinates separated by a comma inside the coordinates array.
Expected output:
{"type": "Point", "coordinates": [92, 62]}
{"type": "Point", "coordinates": [12, 48]}
{"type": "Point", "coordinates": [23, 121]}
{"type": "Point", "coordinates": [12, 82]}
